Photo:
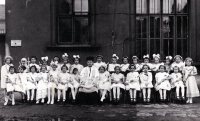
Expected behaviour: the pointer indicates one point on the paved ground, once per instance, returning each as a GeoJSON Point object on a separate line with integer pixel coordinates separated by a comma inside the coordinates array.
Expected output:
{"type": "Point", "coordinates": [171, 112]}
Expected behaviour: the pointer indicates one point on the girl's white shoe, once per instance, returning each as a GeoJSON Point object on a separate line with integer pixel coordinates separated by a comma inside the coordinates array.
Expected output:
{"type": "Point", "coordinates": [187, 101]}
{"type": "Point", "coordinates": [13, 103]}
{"type": "Point", "coordinates": [52, 102]}
{"type": "Point", "coordinates": [48, 102]}
{"type": "Point", "coordinates": [37, 102]}
{"type": "Point", "coordinates": [6, 103]}
{"type": "Point", "coordinates": [42, 101]}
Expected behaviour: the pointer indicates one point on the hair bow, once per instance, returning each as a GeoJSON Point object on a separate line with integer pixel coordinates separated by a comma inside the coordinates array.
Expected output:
{"type": "Point", "coordinates": [169, 57]}
{"type": "Point", "coordinates": [23, 59]}
{"type": "Point", "coordinates": [76, 56]}
{"type": "Point", "coordinates": [146, 56]}
{"type": "Point", "coordinates": [134, 57]}
{"type": "Point", "coordinates": [64, 55]}
{"type": "Point", "coordinates": [115, 56]}
{"type": "Point", "coordinates": [156, 56]}
{"type": "Point", "coordinates": [45, 58]}
{"type": "Point", "coordinates": [54, 63]}
{"type": "Point", "coordinates": [177, 57]}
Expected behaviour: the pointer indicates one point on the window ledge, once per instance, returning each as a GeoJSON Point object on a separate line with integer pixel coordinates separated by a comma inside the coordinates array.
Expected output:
{"type": "Point", "coordinates": [71, 47]}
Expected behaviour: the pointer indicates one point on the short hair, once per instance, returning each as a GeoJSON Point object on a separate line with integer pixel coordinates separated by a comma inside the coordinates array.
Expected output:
{"type": "Point", "coordinates": [102, 67]}
{"type": "Point", "coordinates": [33, 67]}
{"type": "Point", "coordinates": [99, 56]}
{"type": "Point", "coordinates": [33, 57]}
{"type": "Point", "coordinates": [146, 66]}
{"type": "Point", "coordinates": [177, 68]}
{"type": "Point", "coordinates": [125, 58]}
{"type": "Point", "coordinates": [146, 58]}
{"type": "Point", "coordinates": [56, 57]}
{"type": "Point", "coordinates": [117, 67]}
{"type": "Point", "coordinates": [12, 67]}
{"type": "Point", "coordinates": [64, 66]}
{"type": "Point", "coordinates": [77, 58]}
{"type": "Point", "coordinates": [162, 66]}
{"type": "Point", "coordinates": [43, 66]}
{"type": "Point", "coordinates": [75, 69]}
{"type": "Point", "coordinates": [189, 59]}
{"type": "Point", "coordinates": [22, 67]}
{"type": "Point", "coordinates": [131, 66]}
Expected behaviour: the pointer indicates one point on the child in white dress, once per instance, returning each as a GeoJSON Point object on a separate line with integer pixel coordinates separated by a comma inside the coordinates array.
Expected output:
{"type": "Point", "coordinates": [4, 71]}
{"type": "Point", "coordinates": [43, 79]}
{"type": "Point", "coordinates": [146, 60]}
{"type": "Point", "coordinates": [117, 80]}
{"type": "Point", "coordinates": [99, 62]}
{"type": "Point", "coordinates": [24, 62]}
{"type": "Point", "coordinates": [65, 62]}
{"type": "Point", "coordinates": [76, 60]}
{"type": "Point", "coordinates": [125, 66]}
{"type": "Point", "coordinates": [63, 80]}
{"type": "Point", "coordinates": [178, 61]}
{"type": "Point", "coordinates": [104, 82]}
{"type": "Point", "coordinates": [45, 63]}
{"type": "Point", "coordinates": [146, 83]}
{"type": "Point", "coordinates": [135, 62]}
{"type": "Point", "coordinates": [11, 79]}
{"type": "Point", "coordinates": [33, 60]}
{"type": "Point", "coordinates": [53, 82]}
{"type": "Point", "coordinates": [168, 63]}
{"type": "Point", "coordinates": [111, 67]}
{"type": "Point", "coordinates": [162, 82]}
{"type": "Point", "coordinates": [32, 77]}
{"type": "Point", "coordinates": [132, 82]}
{"type": "Point", "coordinates": [189, 73]}
{"type": "Point", "coordinates": [177, 82]}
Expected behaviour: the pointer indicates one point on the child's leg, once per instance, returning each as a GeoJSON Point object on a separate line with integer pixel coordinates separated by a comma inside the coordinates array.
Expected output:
{"type": "Point", "coordinates": [28, 95]}
{"type": "Point", "coordinates": [131, 93]}
{"type": "Point", "coordinates": [52, 95]}
{"type": "Point", "coordinates": [32, 94]}
{"type": "Point", "coordinates": [177, 91]}
{"type": "Point", "coordinates": [110, 94]}
{"type": "Point", "coordinates": [103, 95]}
{"type": "Point", "coordinates": [64, 94]}
{"type": "Point", "coordinates": [134, 93]}
{"type": "Point", "coordinates": [149, 93]}
{"type": "Point", "coordinates": [118, 92]}
{"type": "Point", "coordinates": [13, 98]}
{"type": "Point", "coordinates": [49, 95]}
{"type": "Point", "coordinates": [73, 93]}
{"type": "Point", "coordinates": [59, 92]}
{"type": "Point", "coordinates": [144, 93]}
{"type": "Point", "coordinates": [183, 91]}
{"type": "Point", "coordinates": [164, 94]}
{"type": "Point", "coordinates": [114, 92]}
{"type": "Point", "coordinates": [5, 95]}
{"type": "Point", "coordinates": [161, 95]}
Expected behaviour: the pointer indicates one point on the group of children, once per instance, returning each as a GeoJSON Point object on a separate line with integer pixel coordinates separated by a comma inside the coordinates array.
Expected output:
{"type": "Point", "coordinates": [113, 77]}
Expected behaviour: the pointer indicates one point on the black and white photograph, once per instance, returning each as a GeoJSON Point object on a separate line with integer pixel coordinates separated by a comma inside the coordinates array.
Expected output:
{"type": "Point", "coordinates": [99, 60]}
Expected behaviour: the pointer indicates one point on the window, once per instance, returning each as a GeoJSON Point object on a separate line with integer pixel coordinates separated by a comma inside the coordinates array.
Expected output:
{"type": "Point", "coordinates": [73, 21]}
{"type": "Point", "coordinates": [162, 27]}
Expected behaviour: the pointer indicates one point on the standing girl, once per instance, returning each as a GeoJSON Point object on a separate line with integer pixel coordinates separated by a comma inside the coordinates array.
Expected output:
{"type": "Point", "coordinates": [111, 67]}
{"type": "Point", "coordinates": [32, 77]}
{"type": "Point", "coordinates": [168, 63]}
{"type": "Point", "coordinates": [162, 82]}
{"type": "Point", "coordinates": [146, 60]}
{"type": "Point", "coordinates": [135, 62]}
{"type": "Point", "coordinates": [178, 61]}
{"type": "Point", "coordinates": [125, 66]}
{"type": "Point", "coordinates": [132, 82]}
{"type": "Point", "coordinates": [43, 78]}
{"type": "Point", "coordinates": [25, 64]}
{"type": "Point", "coordinates": [104, 82]}
{"type": "Point", "coordinates": [117, 80]}
{"type": "Point", "coordinates": [53, 81]}
{"type": "Point", "coordinates": [4, 71]}
{"type": "Point", "coordinates": [146, 83]}
{"type": "Point", "coordinates": [99, 62]}
{"type": "Point", "coordinates": [33, 60]}
{"type": "Point", "coordinates": [45, 63]}
{"type": "Point", "coordinates": [190, 81]}
{"type": "Point", "coordinates": [76, 60]}
{"type": "Point", "coordinates": [66, 62]}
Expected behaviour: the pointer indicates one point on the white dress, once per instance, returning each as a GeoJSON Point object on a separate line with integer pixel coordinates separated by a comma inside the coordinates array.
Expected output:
{"type": "Point", "coordinates": [53, 79]}
{"type": "Point", "coordinates": [10, 87]}
{"type": "Point", "coordinates": [133, 81]}
{"type": "Point", "coordinates": [78, 66]}
{"type": "Point", "coordinates": [42, 85]}
{"type": "Point", "coordinates": [4, 72]}
{"type": "Point", "coordinates": [119, 79]}
{"type": "Point", "coordinates": [22, 78]}
{"type": "Point", "coordinates": [33, 77]}
{"type": "Point", "coordinates": [36, 65]}
{"type": "Point", "coordinates": [111, 67]}
{"type": "Point", "coordinates": [175, 77]}
{"type": "Point", "coordinates": [138, 67]}
{"type": "Point", "coordinates": [124, 67]}
{"type": "Point", "coordinates": [97, 65]}
{"type": "Point", "coordinates": [68, 66]}
{"type": "Point", "coordinates": [181, 65]}
{"type": "Point", "coordinates": [104, 81]}
{"type": "Point", "coordinates": [156, 66]}
{"type": "Point", "coordinates": [191, 84]}
{"type": "Point", "coordinates": [63, 77]}
{"type": "Point", "coordinates": [146, 78]}
{"type": "Point", "coordinates": [164, 85]}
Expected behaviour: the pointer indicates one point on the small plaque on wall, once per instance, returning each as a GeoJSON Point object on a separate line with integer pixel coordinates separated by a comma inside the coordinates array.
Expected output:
{"type": "Point", "coordinates": [16, 42]}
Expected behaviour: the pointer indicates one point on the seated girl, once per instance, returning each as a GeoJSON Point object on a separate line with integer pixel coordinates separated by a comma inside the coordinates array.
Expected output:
{"type": "Point", "coordinates": [104, 82]}
{"type": "Point", "coordinates": [177, 81]}
{"type": "Point", "coordinates": [117, 80]}
{"type": "Point", "coordinates": [146, 83]}
{"type": "Point", "coordinates": [162, 82]}
{"type": "Point", "coordinates": [132, 82]}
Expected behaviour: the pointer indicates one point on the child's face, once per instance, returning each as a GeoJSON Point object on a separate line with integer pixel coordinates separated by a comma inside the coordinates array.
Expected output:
{"type": "Point", "coordinates": [135, 61]}
{"type": "Point", "coordinates": [33, 60]}
{"type": "Point", "coordinates": [64, 69]}
{"type": "Point", "coordinates": [132, 68]}
{"type": "Point", "coordinates": [145, 68]}
{"type": "Point", "coordinates": [125, 60]}
{"type": "Point", "coordinates": [56, 59]}
{"type": "Point", "coordinates": [156, 60]}
{"type": "Point", "coordinates": [76, 61]}
{"type": "Point", "coordinates": [43, 69]}
{"type": "Point", "coordinates": [32, 69]}
{"type": "Point", "coordinates": [54, 67]}
{"type": "Point", "coordinates": [178, 59]}
{"type": "Point", "coordinates": [65, 61]}
{"type": "Point", "coordinates": [21, 70]}
{"type": "Point", "coordinates": [188, 63]}
{"type": "Point", "coordinates": [44, 63]}
{"type": "Point", "coordinates": [114, 60]}
{"type": "Point", "coordinates": [167, 61]}
{"type": "Point", "coordinates": [12, 70]}
{"type": "Point", "coordinates": [117, 70]}
{"type": "Point", "coordinates": [75, 72]}
{"type": "Point", "coordinates": [146, 60]}
{"type": "Point", "coordinates": [8, 61]}
{"type": "Point", "coordinates": [175, 70]}
{"type": "Point", "coordinates": [23, 62]}
{"type": "Point", "coordinates": [162, 69]}
{"type": "Point", "coordinates": [90, 63]}
{"type": "Point", "coordinates": [101, 70]}
{"type": "Point", "coordinates": [99, 59]}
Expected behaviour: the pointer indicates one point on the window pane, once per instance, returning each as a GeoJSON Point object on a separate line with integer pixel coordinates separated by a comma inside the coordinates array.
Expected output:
{"type": "Point", "coordinates": [84, 5]}
{"type": "Point", "coordinates": [141, 27]}
{"type": "Point", "coordinates": [168, 47]}
{"type": "Point", "coordinates": [64, 6]}
{"type": "Point", "coordinates": [154, 6]}
{"type": "Point", "coordinates": [168, 27]}
{"type": "Point", "coordinates": [81, 30]}
{"type": "Point", "coordinates": [81, 6]}
{"type": "Point", "coordinates": [65, 30]}
{"type": "Point", "coordinates": [168, 6]}
{"type": "Point", "coordinates": [141, 6]}
{"type": "Point", "coordinates": [154, 46]}
{"type": "Point", "coordinates": [141, 47]}
{"type": "Point", "coordinates": [182, 27]}
{"type": "Point", "coordinates": [154, 27]}
{"type": "Point", "coordinates": [182, 6]}
{"type": "Point", "coordinates": [182, 47]}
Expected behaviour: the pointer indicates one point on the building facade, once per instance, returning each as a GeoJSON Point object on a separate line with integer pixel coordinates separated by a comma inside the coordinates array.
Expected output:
{"type": "Point", "coordinates": [92, 27]}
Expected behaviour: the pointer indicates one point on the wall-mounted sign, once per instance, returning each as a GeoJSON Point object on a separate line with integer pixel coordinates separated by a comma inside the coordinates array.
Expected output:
{"type": "Point", "coordinates": [16, 42]}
